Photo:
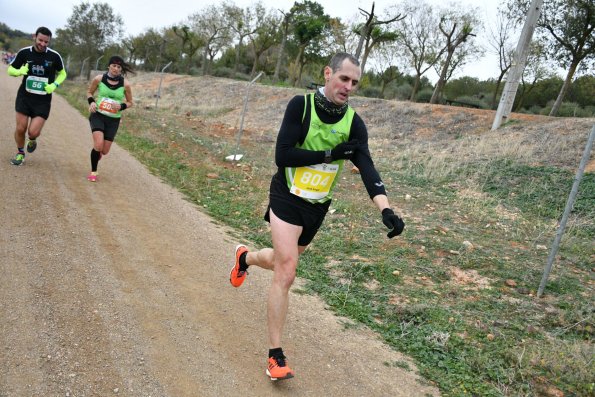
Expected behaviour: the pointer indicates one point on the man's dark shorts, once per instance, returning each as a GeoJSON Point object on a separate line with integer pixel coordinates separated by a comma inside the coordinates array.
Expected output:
{"type": "Point", "coordinates": [295, 211]}
{"type": "Point", "coordinates": [33, 106]}
{"type": "Point", "coordinates": [107, 125]}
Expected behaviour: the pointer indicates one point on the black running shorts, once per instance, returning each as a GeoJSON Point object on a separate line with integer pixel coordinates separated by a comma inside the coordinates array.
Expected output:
{"type": "Point", "coordinates": [295, 210]}
{"type": "Point", "coordinates": [107, 125]}
{"type": "Point", "coordinates": [33, 105]}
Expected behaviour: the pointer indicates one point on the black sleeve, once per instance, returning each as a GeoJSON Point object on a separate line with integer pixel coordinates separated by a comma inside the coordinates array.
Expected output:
{"type": "Point", "coordinates": [19, 60]}
{"type": "Point", "coordinates": [290, 134]}
{"type": "Point", "coordinates": [59, 65]}
{"type": "Point", "coordinates": [363, 160]}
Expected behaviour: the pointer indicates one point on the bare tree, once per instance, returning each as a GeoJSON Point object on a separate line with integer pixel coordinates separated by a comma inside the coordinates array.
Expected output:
{"type": "Point", "coordinates": [372, 33]}
{"type": "Point", "coordinates": [243, 22]}
{"type": "Point", "coordinates": [535, 70]}
{"type": "Point", "coordinates": [266, 34]}
{"type": "Point", "coordinates": [466, 52]}
{"type": "Point", "coordinates": [284, 32]}
{"type": "Point", "coordinates": [457, 27]}
{"type": "Point", "coordinates": [149, 47]}
{"type": "Point", "coordinates": [500, 43]}
{"type": "Point", "coordinates": [571, 23]}
{"type": "Point", "coordinates": [341, 36]}
{"type": "Point", "coordinates": [567, 29]}
{"type": "Point", "coordinates": [212, 27]}
{"type": "Point", "coordinates": [365, 30]}
{"type": "Point", "coordinates": [377, 37]}
{"type": "Point", "coordinates": [132, 44]}
{"type": "Point", "coordinates": [385, 66]}
{"type": "Point", "coordinates": [419, 39]}
{"type": "Point", "coordinates": [191, 42]}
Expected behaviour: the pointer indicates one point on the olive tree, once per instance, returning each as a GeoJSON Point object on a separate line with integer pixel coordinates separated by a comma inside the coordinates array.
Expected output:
{"type": "Point", "coordinates": [419, 39]}
{"type": "Point", "coordinates": [89, 31]}
{"type": "Point", "coordinates": [457, 28]}
{"type": "Point", "coordinates": [566, 29]}
{"type": "Point", "coordinates": [309, 22]}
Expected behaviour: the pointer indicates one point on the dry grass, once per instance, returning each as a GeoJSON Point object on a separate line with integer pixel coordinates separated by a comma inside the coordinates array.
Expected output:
{"type": "Point", "coordinates": [429, 293]}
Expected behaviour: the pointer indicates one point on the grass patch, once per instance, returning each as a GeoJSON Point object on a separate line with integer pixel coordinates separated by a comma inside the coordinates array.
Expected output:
{"type": "Point", "coordinates": [456, 290]}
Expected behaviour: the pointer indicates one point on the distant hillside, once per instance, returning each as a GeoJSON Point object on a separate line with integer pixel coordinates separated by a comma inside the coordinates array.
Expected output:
{"type": "Point", "coordinates": [12, 39]}
{"type": "Point", "coordinates": [6, 31]}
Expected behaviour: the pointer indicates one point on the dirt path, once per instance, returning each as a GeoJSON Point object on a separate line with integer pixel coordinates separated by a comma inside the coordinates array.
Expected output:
{"type": "Point", "coordinates": [121, 288]}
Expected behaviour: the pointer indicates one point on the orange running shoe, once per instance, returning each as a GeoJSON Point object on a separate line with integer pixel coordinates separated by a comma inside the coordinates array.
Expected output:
{"type": "Point", "coordinates": [278, 369]}
{"type": "Point", "coordinates": [236, 276]}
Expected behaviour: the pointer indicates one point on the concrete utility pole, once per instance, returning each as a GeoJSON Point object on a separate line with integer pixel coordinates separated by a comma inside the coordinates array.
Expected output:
{"type": "Point", "coordinates": [518, 65]}
{"type": "Point", "coordinates": [569, 205]}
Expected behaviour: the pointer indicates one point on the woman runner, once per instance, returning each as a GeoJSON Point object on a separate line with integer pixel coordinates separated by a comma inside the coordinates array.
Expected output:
{"type": "Point", "coordinates": [115, 95]}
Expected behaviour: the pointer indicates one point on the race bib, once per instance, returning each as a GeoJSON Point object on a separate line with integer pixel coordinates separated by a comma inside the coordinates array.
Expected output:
{"type": "Point", "coordinates": [107, 106]}
{"type": "Point", "coordinates": [314, 181]}
{"type": "Point", "coordinates": [36, 85]}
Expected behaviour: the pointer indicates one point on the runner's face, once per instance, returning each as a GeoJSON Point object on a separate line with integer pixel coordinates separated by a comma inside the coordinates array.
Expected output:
{"type": "Point", "coordinates": [42, 42]}
{"type": "Point", "coordinates": [115, 69]}
{"type": "Point", "coordinates": [342, 82]}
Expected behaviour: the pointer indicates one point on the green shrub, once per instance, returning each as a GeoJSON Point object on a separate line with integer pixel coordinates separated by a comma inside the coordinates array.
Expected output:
{"type": "Point", "coordinates": [224, 72]}
{"type": "Point", "coordinates": [424, 95]}
{"type": "Point", "coordinates": [195, 71]}
{"type": "Point", "coordinates": [472, 100]}
{"type": "Point", "coordinates": [370, 92]}
{"type": "Point", "coordinates": [403, 92]}
{"type": "Point", "coordinates": [568, 109]}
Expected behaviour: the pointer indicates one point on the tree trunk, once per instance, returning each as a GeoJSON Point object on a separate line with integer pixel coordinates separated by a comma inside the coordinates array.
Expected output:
{"type": "Point", "coordinates": [365, 58]}
{"type": "Point", "coordinates": [565, 87]}
{"type": "Point", "coordinates": [237, 63]}
{"type": "Point", "coordinates": [298, 59]}
{"type": "Point", "coordinates": [502, 73]}
{"type": "Point", "coordinates": [299, 78]}
{"type": "Point", "coordinates": [442, 79]}
{"type": "Point", "coordinates": [281, 50]}
{"type": "Point", "coordinates": [415, 87]}
{"type": "Point", "coordinates": [205, 57]}
{"type": "Point", "coordinates": [255, 64]}
{"type": "Point", "coordinates": [365, 33]}
{"type": "Point", "coordinates": [254, 67]}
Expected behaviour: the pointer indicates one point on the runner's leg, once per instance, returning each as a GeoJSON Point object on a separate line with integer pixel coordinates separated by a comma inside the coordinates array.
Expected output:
{"type": "Point", "coordinates": [35, 127]}
{"type": "Point", "coordinates": [22, 121]}
{"type": "Point", "coordinates": [96, 151]}
{"type": "Point", "coordinates": [285, 259]}
{"type": "Point", "coordinates": [107, 145]}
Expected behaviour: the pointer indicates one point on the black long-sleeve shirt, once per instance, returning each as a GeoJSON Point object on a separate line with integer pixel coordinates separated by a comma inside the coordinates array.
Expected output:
{"type": "Point", "coordinates": [293, 131]}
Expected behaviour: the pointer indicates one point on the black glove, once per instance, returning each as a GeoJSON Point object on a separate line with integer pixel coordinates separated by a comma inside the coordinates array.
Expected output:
{"type": "Point", "coordinates": [345, 150]}
{"type": "Point", "coordinates": [393, 222]}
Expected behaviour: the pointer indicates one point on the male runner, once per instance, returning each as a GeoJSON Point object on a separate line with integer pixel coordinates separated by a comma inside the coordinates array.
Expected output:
{"type": "Point", "coordinates": [318, 133]}
{"type": "Point", "coordinates": [43, 71]}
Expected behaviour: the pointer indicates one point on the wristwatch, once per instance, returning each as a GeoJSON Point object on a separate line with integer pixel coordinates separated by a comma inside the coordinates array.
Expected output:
{"type": "Point", "coordinates": [328, 158]}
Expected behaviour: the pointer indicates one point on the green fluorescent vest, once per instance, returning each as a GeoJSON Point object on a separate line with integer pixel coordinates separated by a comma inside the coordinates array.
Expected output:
{"type": "Point", "coordinates": [117, 94]}
{"type": "Point", "coordinates": [323, 136]}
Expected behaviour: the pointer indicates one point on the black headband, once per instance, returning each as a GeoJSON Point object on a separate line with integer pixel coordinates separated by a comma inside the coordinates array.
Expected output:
{"type": "Point", "coordinates": [116, 60]}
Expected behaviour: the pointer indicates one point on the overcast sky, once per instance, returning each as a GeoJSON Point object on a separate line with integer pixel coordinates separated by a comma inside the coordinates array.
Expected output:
{"type": "Point", "coordinates": [139, 15]}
